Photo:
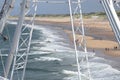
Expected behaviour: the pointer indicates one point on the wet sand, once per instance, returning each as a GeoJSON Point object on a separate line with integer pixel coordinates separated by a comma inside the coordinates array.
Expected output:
{"type": "Point", "coordinates": [99, 36]}
{"type": "Point", "coordinates": [98, 33]}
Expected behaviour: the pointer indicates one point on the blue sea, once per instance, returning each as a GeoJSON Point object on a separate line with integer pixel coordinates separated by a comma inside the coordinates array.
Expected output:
{"type": "Point", "coordinates": [51, 57]}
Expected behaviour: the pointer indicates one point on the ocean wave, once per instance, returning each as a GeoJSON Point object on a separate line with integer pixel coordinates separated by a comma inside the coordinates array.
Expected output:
{"type": "Point", "coordinates": [39, 53]}
{"type": "Point", "coordinates": [99, 71]}
{"type": "Point", "coordinates": [12, 22]}
{"type": "Point", "coordinates": [70, 78]}
{"type": "Point", "coordinates": [97, 66]}
{"type": "Point", "coordinates": [4, 55]}
{"type": "Point", "coordinates": [41, 70]}
{"type": "Point", "coordinates": [48, 33]}
{"type": "Point", "coordinates": [57, 48]}
{"type": "Point", "coordinates": [112, 77]}
{"type": "Point", "coordinates": [69, 72]}
{"type": "Point", "coordinates": [48, 59]}
{"type": "Point", "coordinates": [38, 27]}
{"type": "Point", "coordinates": [99, 59]}
{"type": "Point", "coordinates": [2, 78]}
{"type": "Point", "coordinates": [103, 71]}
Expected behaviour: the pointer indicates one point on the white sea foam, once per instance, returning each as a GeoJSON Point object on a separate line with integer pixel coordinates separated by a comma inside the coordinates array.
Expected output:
{"type": "Point", "coordinates": [97, 65]}
{"type": "Point", "coordinates": [69, 72]}
{"type": "Point", "coordinates": [48, 59]}
{"type": "Point", "coordinates": [71, 78]}
{"type": "Point", "coordinates": [111, 77]}
{"type": "Point", "coordinates": [2, 78]}
{"type": "Point", "coordinates": [12, 22]}
{"type": "Point", "coordinates": [50, 36]}
{"type": "Point", "coordinates": [62, 43]}
{"type": "Point", "coordinates": [58, 48]}
{"type": "Point", "coordinates": [99, 59]}
{"type": "Point", "coordinates": [38, 27]}
{"type": "Point", "coordinates": [37, 42]}
{"type": "Point", "coordinates": [72, 75]}
{"type": "Point", "coordinates": [38, 52]}
{"type": "Point", "coordinates": [99, 71]}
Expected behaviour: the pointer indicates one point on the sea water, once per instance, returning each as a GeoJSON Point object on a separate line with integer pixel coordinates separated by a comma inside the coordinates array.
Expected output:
{"type": "Point", "coordinates": [52, 58]}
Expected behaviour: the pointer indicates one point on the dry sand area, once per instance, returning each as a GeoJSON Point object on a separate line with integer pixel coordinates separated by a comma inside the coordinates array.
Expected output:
{"type": "Point", "coordinates": [99, 34]}
{"type": "Point", "coordinates": [103, 37]}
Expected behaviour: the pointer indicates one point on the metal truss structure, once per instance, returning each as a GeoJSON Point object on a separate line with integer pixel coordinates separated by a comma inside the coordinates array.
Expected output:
{"type": "Point", "coordinates": [20, 60]}
{"type": "Point", "coordinates": [21, 41]}
{"type": "Point", "coordinates": [77, 28]}
{"type": "Point", "coordinates": [22, 38]}
{"type": "Point", "coordinates": [20, 45]}
{"type": "Point", "coordinates": [77, 18]}
{"type": "Point", "coordinates": [5, 11]}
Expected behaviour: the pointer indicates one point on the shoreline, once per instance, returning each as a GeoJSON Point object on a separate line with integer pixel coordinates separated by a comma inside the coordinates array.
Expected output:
{"type": "Point", "coordinates": [99, 36]}
{"type": "Point", "coordinates": [95, 33]}
{"type": "Point", "coordinates": [106, 39]}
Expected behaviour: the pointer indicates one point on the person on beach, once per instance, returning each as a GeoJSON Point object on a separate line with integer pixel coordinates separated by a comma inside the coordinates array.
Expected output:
{"type": "Point", "coordinates": [107, 49]}
{"type": "Point", "coordinates": [115, 47]}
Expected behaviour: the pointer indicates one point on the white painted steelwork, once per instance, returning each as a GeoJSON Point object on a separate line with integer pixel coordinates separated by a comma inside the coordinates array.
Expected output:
{"type": "Point", "coordinates": [112, 16]}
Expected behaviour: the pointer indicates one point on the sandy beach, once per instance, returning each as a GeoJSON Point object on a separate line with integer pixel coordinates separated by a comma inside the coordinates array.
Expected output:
{"type": "Point", "coordinates": [97, 32]}
{"type": "Point", "coordinates": [99, 35]}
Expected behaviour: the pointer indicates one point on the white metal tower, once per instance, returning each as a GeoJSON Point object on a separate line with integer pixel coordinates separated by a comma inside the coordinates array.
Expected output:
{"type": "Point", "coordinates": [80, 49]}
{"type": "Point", "coordinates": [16, 39]}
{"type": "Point", "coordinates": [22, 38]}
{"type": "Point", "coordinates": [79, 43]}
{"type": "Point", "coordinates": [20, 45]}
{"type": "Point", "coordinates": [20, 59]}
{"type": "Point", "coordinates": [4, 13]}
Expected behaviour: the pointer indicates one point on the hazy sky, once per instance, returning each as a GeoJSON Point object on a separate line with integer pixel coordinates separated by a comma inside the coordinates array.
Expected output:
{"type": "Point", "coordinates": [46, 8]}
{"type": "Point", "coordinates": [92, 6]}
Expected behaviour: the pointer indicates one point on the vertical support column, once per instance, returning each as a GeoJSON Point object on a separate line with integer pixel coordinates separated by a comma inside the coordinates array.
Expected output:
{"type": "Point", "coordinates": [80, 46]}
{"type": "Point", "coordinates": [15, 42]}
{"type": "Point", "coordinates": [5, 11]}
{"type": "Point", "coordinates": [74, 40]}
{"type": "Point", "coordinates": [82, 25]}
{"type": "Point", "coordinates": [21, 57]}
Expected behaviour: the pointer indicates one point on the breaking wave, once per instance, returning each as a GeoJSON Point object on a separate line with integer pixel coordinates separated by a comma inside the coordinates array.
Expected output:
{"type": "Point", "coordinates": [48, 59]}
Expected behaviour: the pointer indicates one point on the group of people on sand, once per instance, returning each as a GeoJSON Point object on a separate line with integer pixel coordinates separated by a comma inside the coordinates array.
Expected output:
{"type": "Point", "coordinates": [115, 48]}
